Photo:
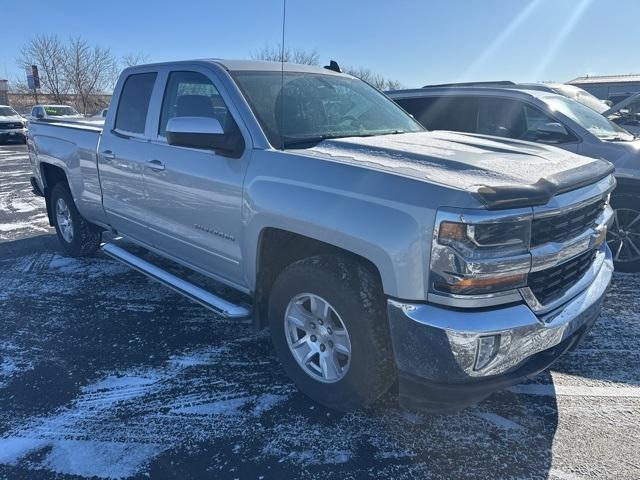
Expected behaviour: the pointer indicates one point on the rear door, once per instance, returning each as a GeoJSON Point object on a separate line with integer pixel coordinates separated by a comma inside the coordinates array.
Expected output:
{"type": "Point", "coordinates": [122, 154]}
{"type": "Point", "coordinates": [194, 203]}
{"type": "Point", "coordinates": [458, 114]}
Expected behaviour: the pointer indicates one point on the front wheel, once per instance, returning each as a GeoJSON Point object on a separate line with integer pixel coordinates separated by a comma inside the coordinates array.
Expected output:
{"type": "Point", "coordinates": [78, 237]}
{"type": "Point", "coordinates": [624, 235]}
{"type": "Point", "coordinates": [329, 327]}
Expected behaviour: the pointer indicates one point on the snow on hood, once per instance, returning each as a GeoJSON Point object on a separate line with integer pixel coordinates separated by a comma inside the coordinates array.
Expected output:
{"type": "Point", "coordinates": [11, 118]}
{"type": "Point", "coordinates": [461, 161]}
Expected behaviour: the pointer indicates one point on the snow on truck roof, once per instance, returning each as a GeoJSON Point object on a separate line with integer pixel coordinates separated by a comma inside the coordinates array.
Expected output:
{"type": "Point", "coordinates": [249, 65]}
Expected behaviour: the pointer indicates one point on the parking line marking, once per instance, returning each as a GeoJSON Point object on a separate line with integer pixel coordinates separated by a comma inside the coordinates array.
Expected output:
{"type": "Point", "coordinates": [576, 391]}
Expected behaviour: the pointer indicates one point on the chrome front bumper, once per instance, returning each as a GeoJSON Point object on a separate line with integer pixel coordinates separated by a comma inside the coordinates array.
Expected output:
{"type": "Point", "coordinates": [442, 345]}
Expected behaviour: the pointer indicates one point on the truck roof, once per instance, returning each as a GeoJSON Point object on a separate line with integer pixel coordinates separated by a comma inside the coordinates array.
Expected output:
{"type": "Point", "coordinates": [505, 91]}
{"type": "Point", "coordinates": [251, 65]}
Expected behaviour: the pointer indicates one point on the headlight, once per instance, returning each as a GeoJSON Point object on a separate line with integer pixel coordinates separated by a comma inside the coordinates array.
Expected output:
{"type": "Point", "coordinates": [480, 253]}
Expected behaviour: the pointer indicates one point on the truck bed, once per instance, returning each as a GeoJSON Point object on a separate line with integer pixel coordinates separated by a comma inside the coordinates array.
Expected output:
{"type": "Point", "coordinates": [71, 144]}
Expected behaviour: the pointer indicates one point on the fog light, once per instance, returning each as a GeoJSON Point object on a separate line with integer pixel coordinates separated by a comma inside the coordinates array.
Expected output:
{"type": "Point", "coordinates": [487, 350]}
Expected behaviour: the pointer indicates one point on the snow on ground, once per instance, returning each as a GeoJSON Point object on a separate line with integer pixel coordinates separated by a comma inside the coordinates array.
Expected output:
{"type": "Point", "coordinates": [104, 374]}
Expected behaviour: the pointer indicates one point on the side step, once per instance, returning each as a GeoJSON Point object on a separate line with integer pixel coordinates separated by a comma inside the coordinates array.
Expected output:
{"type": "Point", "coordinates": [207, 299]}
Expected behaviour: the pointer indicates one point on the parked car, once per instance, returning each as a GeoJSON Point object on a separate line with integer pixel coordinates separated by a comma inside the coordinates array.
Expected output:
{"type": "Point", "coordinates": [569, 91]}
{"type": "Point", "coordinates": [544, 118]}
{"type": "Point", "coordinates": [371, 248]}
{"type": "Point", "coordinates": [53, 112]}
{"type": "Point", "coordinates": [626, 114]}
{"type": "Point", "coordinates": [12, 125]}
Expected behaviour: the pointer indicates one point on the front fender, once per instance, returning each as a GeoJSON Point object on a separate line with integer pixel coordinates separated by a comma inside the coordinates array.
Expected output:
{"type": "Point", "coordinates": [384, 218]}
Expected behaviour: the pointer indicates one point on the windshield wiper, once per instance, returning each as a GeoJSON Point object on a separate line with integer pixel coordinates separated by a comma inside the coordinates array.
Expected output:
{"type": "Point", "coordinates": [310, 140]}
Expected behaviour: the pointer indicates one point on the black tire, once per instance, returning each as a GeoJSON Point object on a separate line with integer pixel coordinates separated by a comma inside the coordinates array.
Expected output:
{"type": "Point", "coordinates": [86, 237]}
{"type": "Point", "coordinates": [356, 295]}
{"type": "Point", "coordinates": [627, 207]}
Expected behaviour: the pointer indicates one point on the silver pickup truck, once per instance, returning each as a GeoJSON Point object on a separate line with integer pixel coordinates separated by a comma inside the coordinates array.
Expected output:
{"type": "Point", "coordinates": [373, 249]}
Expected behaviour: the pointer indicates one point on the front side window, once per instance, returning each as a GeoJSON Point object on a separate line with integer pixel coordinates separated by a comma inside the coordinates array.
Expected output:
{"type": "Point", "coordinates": [512, 119]}
{"type": "Point", "coordinates": [191, 94]}
{"type": "Point", "coordinates": [314, 106]}
{"type": "Point", "coordinates": [131, 116]}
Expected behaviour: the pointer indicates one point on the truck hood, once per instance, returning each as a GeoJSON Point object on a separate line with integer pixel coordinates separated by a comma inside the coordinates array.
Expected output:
{"type": "Point", "coordinates": [502, 173]}
{"type": "Point", "coordinates": [11, 118]}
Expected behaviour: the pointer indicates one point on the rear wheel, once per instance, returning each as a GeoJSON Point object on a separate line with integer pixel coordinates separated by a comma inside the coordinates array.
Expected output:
{"type": "Point", "coordinates": [329, 327]}
{"type": "Point", "coordinates": [624, 235]}
{"type": "Point", "coordinates": [78, 237]}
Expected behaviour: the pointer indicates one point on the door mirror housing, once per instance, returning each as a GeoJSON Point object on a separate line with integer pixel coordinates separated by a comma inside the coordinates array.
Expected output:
{"type": "Point", "coordinates": [205, 133]}
{"type": "Point", "coordinates": [39, 116]}
{"type": "Point", "coordinates": [552, 132]}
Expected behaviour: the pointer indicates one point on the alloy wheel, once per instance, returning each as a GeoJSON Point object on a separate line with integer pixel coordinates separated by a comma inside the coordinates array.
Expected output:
{"type": "Point", "coordinates": [624, 235]}
{"type": "Point", "coordinates": [317, 338]}
{"type": "Point", "coordinates": [65, 222]}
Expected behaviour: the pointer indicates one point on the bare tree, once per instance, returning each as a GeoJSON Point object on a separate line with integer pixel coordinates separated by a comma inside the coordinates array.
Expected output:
{"type": "Point", "coordinates": [48, 53]}
{"type": "Point", "coordinates": [380, 82]}
{"type": "Point", "coordinates": [297, 55]}
{"type": "Point", "coordinates": [89, 70]}
{"type": "Point", "coordinates": [134, 58]}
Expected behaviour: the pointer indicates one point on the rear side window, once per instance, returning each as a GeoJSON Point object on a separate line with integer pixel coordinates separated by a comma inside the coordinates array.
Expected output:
{"type": "Point", "coordinates": [134, 103]}
{"type": "Point", "coordinates": [458, 114]}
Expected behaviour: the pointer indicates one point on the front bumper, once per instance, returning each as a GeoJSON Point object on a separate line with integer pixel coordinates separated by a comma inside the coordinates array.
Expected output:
{"type": "Point", "coordinates": [17, 134]}
{"type": "Point", "coordinates": [438, 347]}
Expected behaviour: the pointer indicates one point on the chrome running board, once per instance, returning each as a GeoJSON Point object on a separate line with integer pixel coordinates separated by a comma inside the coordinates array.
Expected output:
{"type": "Point", "coordinates": [207, 299]}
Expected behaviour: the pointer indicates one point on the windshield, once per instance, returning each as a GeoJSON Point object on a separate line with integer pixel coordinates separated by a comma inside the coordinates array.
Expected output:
{"type": "Point", "coordinates": [600, 126]}
{"type": "Point", "coordinates": [7, 112]}
{"type": "Point", "coordinates": [60, 111]}
{"type": "Point", "coordinates": [583, 97]}
{"type": "Point", "coordinates": [314, 107]}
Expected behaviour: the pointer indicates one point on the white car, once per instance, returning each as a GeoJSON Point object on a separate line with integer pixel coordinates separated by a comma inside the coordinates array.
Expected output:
{"type": "Point", "coordinates": [12, 125]}
{"type": "Point", "coordinates": [55, 112]}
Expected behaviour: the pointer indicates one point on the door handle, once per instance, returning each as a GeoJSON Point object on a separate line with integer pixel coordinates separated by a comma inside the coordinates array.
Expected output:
{"type": "Point", "coordinates": [156, 165]}
{"type": "Point", "coordinates": [108, 155]}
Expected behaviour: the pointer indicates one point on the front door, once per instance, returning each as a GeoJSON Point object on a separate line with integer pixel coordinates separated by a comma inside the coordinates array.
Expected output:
{"type": "Point", "coordinates": [194, 203]}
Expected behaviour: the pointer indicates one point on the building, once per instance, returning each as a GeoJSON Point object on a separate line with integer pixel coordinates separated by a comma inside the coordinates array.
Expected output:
{"type": "Point", "coordinates": [609, 87]}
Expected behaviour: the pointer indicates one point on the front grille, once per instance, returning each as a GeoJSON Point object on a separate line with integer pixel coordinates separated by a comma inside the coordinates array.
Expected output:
{"type": "Point", "coordinates": [550, 284]}
{"type": "Point", "coordinates": [9, 126]}
{"type": "Point", "coordinates": [558, 228]}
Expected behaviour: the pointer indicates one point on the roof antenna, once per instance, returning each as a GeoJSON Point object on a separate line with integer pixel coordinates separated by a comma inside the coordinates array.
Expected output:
{"type": "Point", "coordinates": [284, 18]}
{"type": "Point", "coordinates": [333, 66]}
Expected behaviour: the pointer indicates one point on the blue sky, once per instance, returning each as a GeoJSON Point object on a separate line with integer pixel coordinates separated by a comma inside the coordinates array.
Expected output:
{"type": "Point", "coordinates": [416, 42]}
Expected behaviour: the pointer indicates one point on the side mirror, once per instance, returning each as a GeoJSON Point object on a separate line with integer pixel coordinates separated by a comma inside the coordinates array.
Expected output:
{"type": "Point", "coordinates": [196, 132]}
{"type": "Point", "coordinates": [39, 116]}
{"type": "Point", "coordinates": [552, 131]}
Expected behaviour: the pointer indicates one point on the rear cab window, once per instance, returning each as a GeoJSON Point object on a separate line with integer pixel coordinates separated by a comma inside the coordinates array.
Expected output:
{"type": "Point", "coordinates": [133, 105]}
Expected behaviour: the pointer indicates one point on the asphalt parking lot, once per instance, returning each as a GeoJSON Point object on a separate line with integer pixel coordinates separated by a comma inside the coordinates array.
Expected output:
{"type": "Point", "coordinates": [105, 374]}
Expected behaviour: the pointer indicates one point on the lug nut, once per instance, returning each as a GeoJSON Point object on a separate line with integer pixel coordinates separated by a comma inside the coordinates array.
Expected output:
{"type": "Point", "coordinates": [312, 325]}
{"type": "Point", "coordinates": [313, 338]}
{"type": "Point", "coordinates": [330, 344]}
{"type": "Point", "coordinates": [329, 331]}
{"type": "Point", "coordinates": [322, 347]}
{"type": "Point", "coordinates": [320, 322]}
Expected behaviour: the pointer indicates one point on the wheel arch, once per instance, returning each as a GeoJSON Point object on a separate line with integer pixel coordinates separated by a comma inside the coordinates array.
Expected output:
{"type": "Point", "coordinates": [278, 248]}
